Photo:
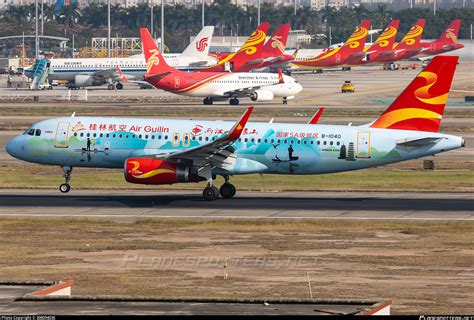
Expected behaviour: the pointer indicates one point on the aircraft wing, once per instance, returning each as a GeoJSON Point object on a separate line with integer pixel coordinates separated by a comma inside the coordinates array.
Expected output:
{"type": "Point", "coordinates": [106, 73]}
{"type": "Point", "coordinates": [244, 92]}
{"type": "Point", "coordinates": [112, 73]}
{"type": "Point", "coordinates": [218, 153]}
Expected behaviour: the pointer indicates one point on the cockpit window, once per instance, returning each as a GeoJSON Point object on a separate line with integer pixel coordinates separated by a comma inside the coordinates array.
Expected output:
{"type": "Point", "coordinates": [31, 132]}
{"type": "Point", "coordinates": [37, 132]}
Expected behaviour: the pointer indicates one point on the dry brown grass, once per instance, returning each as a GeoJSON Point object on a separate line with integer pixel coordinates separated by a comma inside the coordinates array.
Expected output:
{"type": "Point", "coordinates": [425, 267]}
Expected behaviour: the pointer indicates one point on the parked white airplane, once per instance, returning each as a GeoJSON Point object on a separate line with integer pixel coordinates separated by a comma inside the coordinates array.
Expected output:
{"type": "Point", "coordinates": [87, 72]}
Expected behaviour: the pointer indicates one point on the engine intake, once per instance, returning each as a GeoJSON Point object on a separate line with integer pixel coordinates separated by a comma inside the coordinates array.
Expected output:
{"type": "Point", "coordinates": [153, 171]}
{"type": "Point", "coordinates": [261, 95]}
{"type": "Point", "coordinates": [83, 80]}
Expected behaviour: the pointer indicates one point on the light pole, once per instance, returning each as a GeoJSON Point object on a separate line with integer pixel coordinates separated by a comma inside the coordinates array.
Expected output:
{"type": "Point", "coordinates": [203, 4]}
{"type": "Point", "coordinates": [42, 18]}
{"type": "Point", "coordinates": [434, 7]}
{"type": "Point", "coordinates": [295, 6]}
{"type": "Point", "coordinates": [108, 28]}
{"type": "Point", "coordinates": [151, 18]}
{"type": "Point", "coordinates": [258, 13]}
{"type": "Point", "coordinates": [162, 24]}
{"type": "Point", "coordinates": [36, 30]}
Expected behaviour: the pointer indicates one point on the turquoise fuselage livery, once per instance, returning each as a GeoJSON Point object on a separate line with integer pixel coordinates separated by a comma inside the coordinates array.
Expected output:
{"type": "Point", "coordinates": [262, 147]}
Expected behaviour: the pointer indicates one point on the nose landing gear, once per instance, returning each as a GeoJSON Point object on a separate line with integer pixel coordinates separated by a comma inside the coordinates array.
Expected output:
{"type": "Point", "coordinates": [65, 187]}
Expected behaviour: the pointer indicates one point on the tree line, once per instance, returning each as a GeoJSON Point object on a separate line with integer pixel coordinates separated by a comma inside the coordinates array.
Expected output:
{"type": "Point", "coordinates": [182, 22]}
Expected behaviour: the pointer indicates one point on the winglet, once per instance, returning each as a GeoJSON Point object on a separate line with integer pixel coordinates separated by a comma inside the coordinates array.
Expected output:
{"type": "Point", "coordinates": [295, 53]}
{"type": "Point", "coordinates": [122, 76]}
{"type": "Point", "coordinates": [280, 76]}
{"type": "Point", "coordinates": [239, 126]}
{"type": "Point", "coordinates": [316, 116]}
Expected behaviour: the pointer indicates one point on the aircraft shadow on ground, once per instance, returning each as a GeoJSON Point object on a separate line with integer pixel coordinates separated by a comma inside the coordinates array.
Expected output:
{"type": "Point", "coordinates": [239, 203]}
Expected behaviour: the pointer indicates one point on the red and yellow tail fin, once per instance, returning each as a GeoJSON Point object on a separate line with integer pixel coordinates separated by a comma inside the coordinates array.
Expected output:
{"type": "Point", "coordinates": [386, 39]}
{"type": "Point", "coordinates": [275, 46]}
{"type": "Point", "coordinates": [356, 41]}
{"type": "Point", "coordinates": [450, 35]}
{"type": "Point", "coordinates": [412, 39]}
{"type": "Point", "coordinates": [421, 105]}
{"type": "Point", "coordinates": [252, 48]}
{"type": "Point", "coordinates": [155, 62]}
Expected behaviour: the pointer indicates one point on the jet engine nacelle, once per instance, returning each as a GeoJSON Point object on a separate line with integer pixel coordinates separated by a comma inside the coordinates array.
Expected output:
{"type": "Point", "coordinates": [261, 95]}
{"type": "Point", "coordinates": [84, 80]}
{"type": "Point", "coordinates": [153, 171]}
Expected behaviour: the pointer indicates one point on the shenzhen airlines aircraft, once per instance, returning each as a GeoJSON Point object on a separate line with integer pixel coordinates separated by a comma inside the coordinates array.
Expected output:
{"type": "Point", "coordinates": [349, 52]}
{"type": "Point", "coordinates": [405, 49]}
{"type": "Point", "coordinates": [445, 43]}
{"type": "Point", "coordinates": [214, 85]}
{"type": "Point", "coordinates": [247, 56]}
{"type": "Point", "coordinates": [254, 54]}
{"type": "Point", "coordinates": [383, 44]}
{"type": "Point", "coordinates": [165, 151]}
{"type": "Point", "coordinates": [88, 72]}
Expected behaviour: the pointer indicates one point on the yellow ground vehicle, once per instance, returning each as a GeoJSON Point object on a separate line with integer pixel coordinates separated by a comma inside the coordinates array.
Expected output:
{"type": "Point", "coordinates": [347, 87]}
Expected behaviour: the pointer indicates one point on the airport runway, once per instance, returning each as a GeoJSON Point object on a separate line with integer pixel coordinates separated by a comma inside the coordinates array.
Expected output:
{"type": "Point", "coordinates": [180, 204]}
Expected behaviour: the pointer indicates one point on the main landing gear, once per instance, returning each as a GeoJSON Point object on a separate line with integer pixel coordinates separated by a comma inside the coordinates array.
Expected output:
{"type": "Point", "coordinates": [118, 86]}
{"type": "Point", "coordinates": [226, 191]}
{"type": "Point", "coordinates": [234, 101]}
{"type": "Point", "coordinates": [208, 101]}
{"type": "Point", "coordinates": [65, 187]}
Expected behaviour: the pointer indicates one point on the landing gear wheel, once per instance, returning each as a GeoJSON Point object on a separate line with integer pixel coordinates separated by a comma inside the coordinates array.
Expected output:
{"type": "Point", "coordinates": [119, 86]}
{"type": "Point", "coordinates": [210, 193]}
{"type": "Point", "coordinates": [208, 101]}
{"type": "Point", "coordinates": [227, 190]}
{"type": "Point", "coordinates": [111, 87]}
{"type": "Point", "coordinates": [64, 188]}
{"type": "Point", "coordinates": [234, 101]}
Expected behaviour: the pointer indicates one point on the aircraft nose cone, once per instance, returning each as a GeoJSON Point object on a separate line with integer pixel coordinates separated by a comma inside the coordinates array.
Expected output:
{"type": "Point", "coordinates": [299, 88]}
{"type": "Point", "coordinates": [12, 147]}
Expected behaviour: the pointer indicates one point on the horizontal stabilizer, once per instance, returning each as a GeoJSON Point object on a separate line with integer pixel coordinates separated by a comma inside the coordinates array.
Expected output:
{"type": "Point", "coordinates": [158, 76]}
{"type": "Point", "coordinates": [422, 142]}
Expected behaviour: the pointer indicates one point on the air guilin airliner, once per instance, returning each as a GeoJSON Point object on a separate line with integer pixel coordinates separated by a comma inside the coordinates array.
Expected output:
{"type": "Point", "coordinates": [164, 151]}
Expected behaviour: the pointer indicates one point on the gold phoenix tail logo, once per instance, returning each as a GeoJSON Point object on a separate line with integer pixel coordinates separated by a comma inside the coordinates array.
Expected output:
{"type": "Point", "coordinates": [153, 60]}
{"type": "Point", "coordinates": [278, 44]}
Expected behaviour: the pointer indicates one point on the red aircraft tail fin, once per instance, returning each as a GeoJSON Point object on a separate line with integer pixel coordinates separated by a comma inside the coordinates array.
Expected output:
{"type": "Point", "coordinates": [275, 46]}
{"type": "Point", "coordinates": [356, 41]}
{"type": "Point", "coordinates": [412, 39]}
{"type": "Point", "coordinates": [386, 39]}
{"type": "Point", "coordinates": [421, 105]}
{"type": "Point", "coordinates": [450, 35]}
{"type": "Point", "coordinates": [155, 62]}
{"type": "Point", "coordinates": [252, 48]}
